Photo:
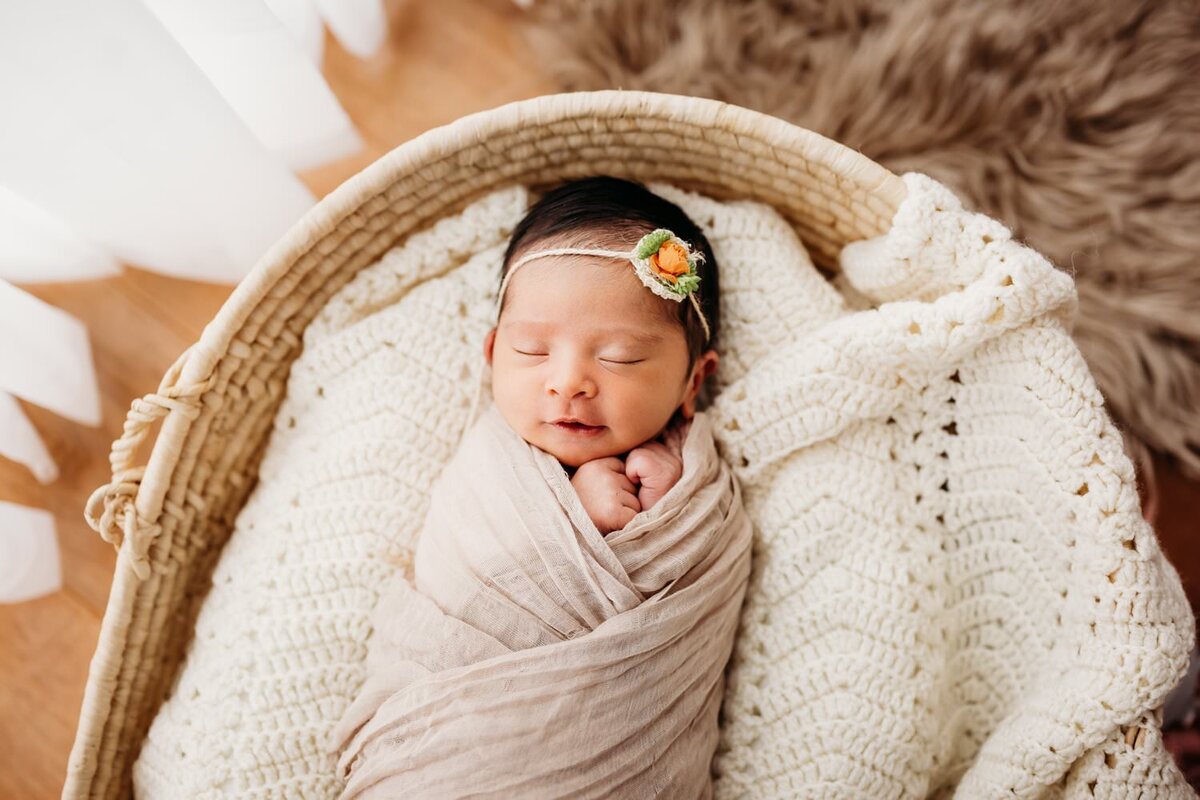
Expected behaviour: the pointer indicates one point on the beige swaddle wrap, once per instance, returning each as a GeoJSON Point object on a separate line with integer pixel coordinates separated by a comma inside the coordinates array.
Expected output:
{"type": "Point", "coordinates": [536, 657]}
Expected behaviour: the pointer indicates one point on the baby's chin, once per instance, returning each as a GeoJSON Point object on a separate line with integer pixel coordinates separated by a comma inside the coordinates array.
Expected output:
{"type": "Point", "coordinates": [574, 453]}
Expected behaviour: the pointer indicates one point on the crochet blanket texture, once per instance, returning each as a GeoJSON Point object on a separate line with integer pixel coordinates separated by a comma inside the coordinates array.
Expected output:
{"type": "Point", "coordinates": [952, 589]}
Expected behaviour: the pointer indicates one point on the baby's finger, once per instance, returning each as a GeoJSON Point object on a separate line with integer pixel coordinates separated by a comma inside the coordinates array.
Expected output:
{"type": "Point", "coordinates": [612, 463]}
{"type": "Point", "coordinates": [626, 514]}
{"type": "Point", "coordinates": [654, 471]}
{"type": "Point", "coordinates": [630, 501]}
{"type": "Point", "coordinates": [638, 464]}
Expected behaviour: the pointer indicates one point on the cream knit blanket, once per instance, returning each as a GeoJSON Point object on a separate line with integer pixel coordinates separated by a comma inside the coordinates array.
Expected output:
{"type": "Point", "coordinates": [536, 657]}
{"type": "Point", "coordinates": [953, 590]}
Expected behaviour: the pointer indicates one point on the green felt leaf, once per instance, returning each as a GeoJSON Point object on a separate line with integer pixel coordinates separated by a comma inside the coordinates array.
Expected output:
{"type": "Point", "coordinates": [651, 242]}
{"type": "Point", "coordinates": [687, 284]}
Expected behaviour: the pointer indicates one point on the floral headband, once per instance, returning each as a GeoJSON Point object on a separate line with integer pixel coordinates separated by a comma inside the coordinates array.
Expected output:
{"type": "Point", "coordinates": [664, 263]}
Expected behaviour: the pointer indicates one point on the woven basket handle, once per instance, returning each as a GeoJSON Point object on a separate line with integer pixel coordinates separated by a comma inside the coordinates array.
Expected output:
{"type": "Point", "coordinates": [111, 509]}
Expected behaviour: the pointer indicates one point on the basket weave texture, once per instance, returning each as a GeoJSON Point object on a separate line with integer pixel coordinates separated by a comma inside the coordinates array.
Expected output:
{"type": "Point", "coordinates": [171, 518]}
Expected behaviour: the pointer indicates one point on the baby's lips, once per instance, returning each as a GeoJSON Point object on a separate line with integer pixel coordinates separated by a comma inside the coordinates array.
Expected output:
{"type": "Point", "coordinates": [565, 420]}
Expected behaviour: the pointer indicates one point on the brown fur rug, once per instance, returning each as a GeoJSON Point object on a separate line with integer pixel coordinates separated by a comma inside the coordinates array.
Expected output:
{"type": "Point", "coordinates": [1075, 122]}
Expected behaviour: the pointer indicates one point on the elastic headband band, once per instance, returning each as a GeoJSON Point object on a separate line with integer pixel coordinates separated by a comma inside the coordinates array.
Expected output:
{"type": "Point", "coordinates": [664, 263]}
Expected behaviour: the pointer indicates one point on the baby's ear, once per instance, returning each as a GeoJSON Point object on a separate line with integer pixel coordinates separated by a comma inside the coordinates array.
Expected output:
{"type": "Point", "coordinates": [489, 344]}
{"type": "Point", "coordinates": [705, 365]}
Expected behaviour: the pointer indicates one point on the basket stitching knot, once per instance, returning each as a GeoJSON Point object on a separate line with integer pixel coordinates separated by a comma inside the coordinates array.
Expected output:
{"type": "Point", "coordinates": [111, 509]}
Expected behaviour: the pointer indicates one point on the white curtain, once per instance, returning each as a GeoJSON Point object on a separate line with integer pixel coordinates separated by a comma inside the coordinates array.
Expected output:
{"type": "Point", "coordinates": [158, 133]}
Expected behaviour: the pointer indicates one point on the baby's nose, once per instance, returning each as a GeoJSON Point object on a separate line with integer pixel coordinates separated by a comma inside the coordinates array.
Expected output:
{"type": "Point", "coordinates": [570, 379]}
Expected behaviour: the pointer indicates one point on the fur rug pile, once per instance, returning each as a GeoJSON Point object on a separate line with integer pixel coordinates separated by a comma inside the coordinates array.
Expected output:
{"type": "Point", "coordinates": [1074, 122]}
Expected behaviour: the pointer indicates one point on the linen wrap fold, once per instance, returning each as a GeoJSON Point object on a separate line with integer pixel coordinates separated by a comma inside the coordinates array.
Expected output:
{"type": "Point", "coordinates": [535, 657]}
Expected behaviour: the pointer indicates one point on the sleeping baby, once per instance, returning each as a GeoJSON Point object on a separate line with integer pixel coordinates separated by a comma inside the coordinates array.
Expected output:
{"type": "Point", "coordinates": [587, 364]}
{"type": "Point", "coordinates": [579, 574]}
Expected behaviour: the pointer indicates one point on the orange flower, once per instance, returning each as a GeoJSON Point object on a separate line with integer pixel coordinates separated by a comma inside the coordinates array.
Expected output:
{"type": "Point", "coordinates": [670, 261]}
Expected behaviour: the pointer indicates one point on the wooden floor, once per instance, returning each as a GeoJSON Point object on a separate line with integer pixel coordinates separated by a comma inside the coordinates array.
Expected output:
{"type": "Point", "coordinates": [442, 60]}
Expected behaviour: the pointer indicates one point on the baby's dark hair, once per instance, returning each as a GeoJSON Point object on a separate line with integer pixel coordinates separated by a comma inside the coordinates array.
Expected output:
{"type": "Point", "coordinates": [603, 211]}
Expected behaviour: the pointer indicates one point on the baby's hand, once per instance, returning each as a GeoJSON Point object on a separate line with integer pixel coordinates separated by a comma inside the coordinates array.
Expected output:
{"type": "Point", "coordinates": [655, 468]}
{"type": "Point", "coordinates": [607, 494]}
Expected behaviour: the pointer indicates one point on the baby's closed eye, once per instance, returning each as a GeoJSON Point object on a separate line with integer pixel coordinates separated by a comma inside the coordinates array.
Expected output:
{"type": "Point", "coordinates": [608, 358]}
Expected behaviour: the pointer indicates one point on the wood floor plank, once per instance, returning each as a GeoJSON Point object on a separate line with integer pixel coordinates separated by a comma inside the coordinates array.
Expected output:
{"type": "Point", "coordinates": [47, 646]}
{"type": "Point", "coordinates": [442, 60]}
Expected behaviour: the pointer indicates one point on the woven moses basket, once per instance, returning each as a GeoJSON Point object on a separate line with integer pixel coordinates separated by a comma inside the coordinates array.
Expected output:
{"type": "Point", "coordinates": [939, 604]}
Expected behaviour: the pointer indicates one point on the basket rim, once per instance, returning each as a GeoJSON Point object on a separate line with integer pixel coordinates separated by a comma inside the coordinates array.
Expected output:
{"type": "Point", "coordinates": [849, 167]}
{"type": "Point", "coordinates": [443, 140]}
{"type": "Point", "coordinates": [451, 137]}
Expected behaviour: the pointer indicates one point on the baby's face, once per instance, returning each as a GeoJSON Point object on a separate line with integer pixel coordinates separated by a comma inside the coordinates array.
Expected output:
{"type": "Point", "coordinates": [580, 337]}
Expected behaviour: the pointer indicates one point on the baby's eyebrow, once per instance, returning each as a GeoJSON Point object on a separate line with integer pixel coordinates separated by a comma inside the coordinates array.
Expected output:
{"type": "Point", "coordinates": [639, 335]}
{"type": "Point", "coordinates": [642, 336]}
